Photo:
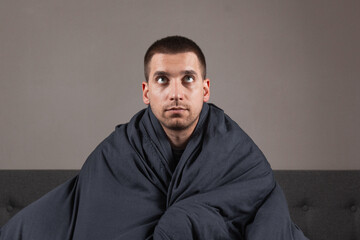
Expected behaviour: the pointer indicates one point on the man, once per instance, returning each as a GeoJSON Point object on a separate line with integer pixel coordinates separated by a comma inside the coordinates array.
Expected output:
{"type": "Point", "coordinates": [180, 169]}
{"type": "Point", "coordinates": [176, 88]}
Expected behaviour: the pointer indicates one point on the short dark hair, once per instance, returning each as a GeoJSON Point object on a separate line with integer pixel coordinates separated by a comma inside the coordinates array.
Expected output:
{"type": "Point", "coordinates": [173, 45]}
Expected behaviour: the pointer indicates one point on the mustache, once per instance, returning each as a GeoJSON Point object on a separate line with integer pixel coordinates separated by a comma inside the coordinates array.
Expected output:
{"type": "Point", "coordinates": [175, 106]}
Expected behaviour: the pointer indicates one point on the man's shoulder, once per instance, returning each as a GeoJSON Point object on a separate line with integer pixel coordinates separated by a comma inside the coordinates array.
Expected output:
{"type": "Point", "coordinates": [120, 135]}
{"type": "Point", "coordinates": [221, 121]}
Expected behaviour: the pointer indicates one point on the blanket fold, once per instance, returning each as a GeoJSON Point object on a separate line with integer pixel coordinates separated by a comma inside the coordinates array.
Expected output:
{"type": "Point", "coordinates": [221, 188]}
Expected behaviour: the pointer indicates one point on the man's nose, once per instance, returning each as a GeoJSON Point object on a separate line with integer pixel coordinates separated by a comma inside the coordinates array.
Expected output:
{"type": "Point", "coordinates": [176, 90]}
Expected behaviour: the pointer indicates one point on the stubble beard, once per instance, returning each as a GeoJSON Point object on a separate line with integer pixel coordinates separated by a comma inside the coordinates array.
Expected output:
{"type": "Point", "coordinates": [176, 123]}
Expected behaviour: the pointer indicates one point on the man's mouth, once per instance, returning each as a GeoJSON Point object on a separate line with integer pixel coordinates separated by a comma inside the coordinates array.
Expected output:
{"type": "Point", "coordinates": [176, 110]}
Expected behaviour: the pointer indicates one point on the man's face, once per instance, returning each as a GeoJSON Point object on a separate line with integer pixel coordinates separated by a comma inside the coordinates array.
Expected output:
{"type": "Point", "coordinates": [176, 90]}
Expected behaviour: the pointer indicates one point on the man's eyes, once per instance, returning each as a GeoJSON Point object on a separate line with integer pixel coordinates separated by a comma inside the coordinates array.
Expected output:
{"type": "Point", "coordinates": [188, 79]}
{"type": "Point", "coordinates": [161, 80]}
{"type": "Point", "coordinates": [164, 80]}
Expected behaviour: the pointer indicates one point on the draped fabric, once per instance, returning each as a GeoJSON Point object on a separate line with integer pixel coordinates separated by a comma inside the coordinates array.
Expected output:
{"type": "Point", "coordinates": [222, 187]}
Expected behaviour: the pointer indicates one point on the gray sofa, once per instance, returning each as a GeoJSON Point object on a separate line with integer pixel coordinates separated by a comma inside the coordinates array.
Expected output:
{"type": "Point", "coordinates": [324, 204]}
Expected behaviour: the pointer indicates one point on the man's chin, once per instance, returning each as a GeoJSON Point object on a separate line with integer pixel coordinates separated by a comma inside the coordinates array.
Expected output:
{"type": "Point", "coordinates": [176, 125]}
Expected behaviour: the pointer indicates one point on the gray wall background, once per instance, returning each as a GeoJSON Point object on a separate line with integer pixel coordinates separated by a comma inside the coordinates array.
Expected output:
{"type": "Point", "coordinates": [287, 71]}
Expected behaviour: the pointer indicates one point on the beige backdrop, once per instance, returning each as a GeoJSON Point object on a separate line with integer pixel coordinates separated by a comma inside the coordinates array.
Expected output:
{"type": "Point", "coordinates": [287, 71]}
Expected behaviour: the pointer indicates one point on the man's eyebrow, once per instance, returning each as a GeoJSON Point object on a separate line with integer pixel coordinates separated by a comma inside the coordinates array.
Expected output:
{"type": "Point", "coordinates": [166, 74]}
{"type": "Point", "coordinates": [161, 73]}
{"type": "Point", "coordinates": [189, 72]}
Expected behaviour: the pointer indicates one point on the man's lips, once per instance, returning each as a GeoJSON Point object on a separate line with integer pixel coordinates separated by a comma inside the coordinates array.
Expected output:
{"type": "Point", "coordinates": [175, 109]}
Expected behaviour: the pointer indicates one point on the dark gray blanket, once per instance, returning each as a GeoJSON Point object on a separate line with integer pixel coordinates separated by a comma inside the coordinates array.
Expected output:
{"type": "Point", "coordinates": [222, 188]}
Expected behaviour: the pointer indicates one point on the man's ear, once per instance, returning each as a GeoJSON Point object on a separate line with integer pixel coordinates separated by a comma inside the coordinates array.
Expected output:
{"type": "Point", "coordinates": [145, 89]}
{"type": "Point", "coordinates": [206, 87]}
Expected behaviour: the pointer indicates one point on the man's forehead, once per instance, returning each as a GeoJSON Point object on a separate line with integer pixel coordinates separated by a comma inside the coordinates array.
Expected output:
{"type": "Point", "coordinates": [167, 62]}
{"type": "Point", "coordinates": [174, 57]}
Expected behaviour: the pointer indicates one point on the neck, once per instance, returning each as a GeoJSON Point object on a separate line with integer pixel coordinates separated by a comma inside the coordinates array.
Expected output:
{"type": "Point", "coordinates": [179, 138]}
